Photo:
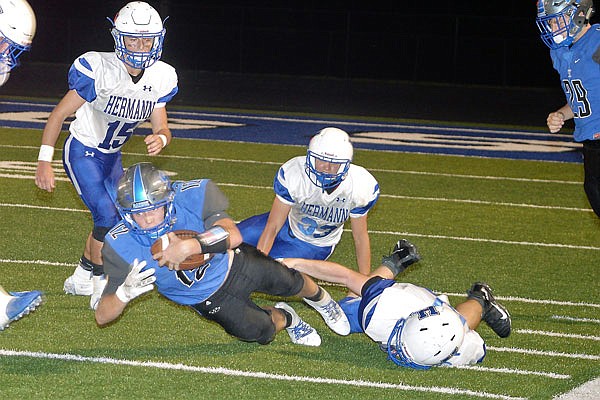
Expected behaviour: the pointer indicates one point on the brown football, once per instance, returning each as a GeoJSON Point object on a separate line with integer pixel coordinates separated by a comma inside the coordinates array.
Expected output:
{"type": "Point", "coordinates": [193, 261]}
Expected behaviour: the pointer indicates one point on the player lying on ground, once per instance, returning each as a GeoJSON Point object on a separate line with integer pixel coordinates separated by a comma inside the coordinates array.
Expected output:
{"type": "Point", "coordinates": [219, 290]}
{"type": "Point", "coordinates": [416, 327]}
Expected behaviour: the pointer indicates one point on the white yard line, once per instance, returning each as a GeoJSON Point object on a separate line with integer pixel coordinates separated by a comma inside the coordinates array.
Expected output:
{"type": "Point", "coordinates": [257, 374]}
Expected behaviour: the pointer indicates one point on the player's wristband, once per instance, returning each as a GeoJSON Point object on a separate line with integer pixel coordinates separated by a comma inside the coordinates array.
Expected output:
{"type": "Point", "coordinates": [213, 240]}
{"type": "Point", "coordinates": [163, 139]}
{"type": "Point", "coordinates": [46, 153]}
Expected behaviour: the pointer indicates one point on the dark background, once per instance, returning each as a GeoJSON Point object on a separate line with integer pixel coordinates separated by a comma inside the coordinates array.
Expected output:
{"type": "Point", "coordinates": [434, 60]}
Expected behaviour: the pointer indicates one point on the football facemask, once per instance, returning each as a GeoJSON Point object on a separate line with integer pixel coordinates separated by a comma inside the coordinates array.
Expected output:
{"type": "Point", "coordinates": [134, 25]}
{"type": "Point", "coordinates": [17, 29]}
{"type": "Point", "coordinates": [561, 22]}
{"type": "Point", "coordinates": [328, 158]}
{"type": "Point", "coordinates": [144, 188]}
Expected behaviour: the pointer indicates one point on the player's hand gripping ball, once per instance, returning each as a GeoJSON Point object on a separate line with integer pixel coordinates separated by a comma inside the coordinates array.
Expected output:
{"type": "Point", "coordinates": [193, 261]}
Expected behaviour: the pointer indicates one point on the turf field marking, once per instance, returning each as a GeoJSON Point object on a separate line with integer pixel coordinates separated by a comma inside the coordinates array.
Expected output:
{"type": "Point", "coordinates": [483, 240]}
{"type": "Point", "coordinates": [551, 375]}
{"type": "Point", "coordinates": [277, 163]}
{"type": "Point", "coordinates": [557, 334]}
{"type": "Point", "coordinates": [256, 375]}
{"type": "Point", "coordinates": [563, 317]}
{"type": "Point", "coordinates": [544, 353]}
{"type": "Point", "coordinates": [505, 298]}
{"type": "Point", "coordinates": [463, 238]}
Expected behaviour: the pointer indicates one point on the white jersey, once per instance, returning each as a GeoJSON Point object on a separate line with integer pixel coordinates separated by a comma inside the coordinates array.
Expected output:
{"type": "Point", "coordinates": [399, 301]}
{"type": "Point", "coordinates": [115, 104]}
{"type": "Point", "coordinates": [318, 217]}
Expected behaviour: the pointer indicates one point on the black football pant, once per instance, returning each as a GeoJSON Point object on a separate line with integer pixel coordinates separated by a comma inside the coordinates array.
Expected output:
{"type": "Point", "coordinates": [591, 166]}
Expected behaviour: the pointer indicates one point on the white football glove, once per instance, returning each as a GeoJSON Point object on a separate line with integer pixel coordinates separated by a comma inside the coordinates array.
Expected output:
{"type": "Point", "coordinates": [136, 283]}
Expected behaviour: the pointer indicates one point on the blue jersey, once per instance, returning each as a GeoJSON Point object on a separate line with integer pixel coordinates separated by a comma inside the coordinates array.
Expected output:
{"type": "Point", "coordinates": [580, 78]}
{"type": "Point", "coordinates": [197, 205]}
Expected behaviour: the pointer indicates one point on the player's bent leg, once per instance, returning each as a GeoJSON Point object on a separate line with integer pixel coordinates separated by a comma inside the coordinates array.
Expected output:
{"type": "Point", "coordinates": [495, 315]}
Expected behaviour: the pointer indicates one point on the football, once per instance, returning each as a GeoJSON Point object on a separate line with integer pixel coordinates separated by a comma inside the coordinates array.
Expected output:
{"type": "Point", "coordinates": [193, 261]}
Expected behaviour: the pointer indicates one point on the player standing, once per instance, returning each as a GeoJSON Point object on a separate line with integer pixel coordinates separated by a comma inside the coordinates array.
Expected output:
{"type": "Point", "coordinates": [110, 94]}
{"type": "Point", "coordinates": [575, 51]}
{"type": "Point", "coordinates": [17, 29]}
{"type": "Point", "coordinates": [314, 196]}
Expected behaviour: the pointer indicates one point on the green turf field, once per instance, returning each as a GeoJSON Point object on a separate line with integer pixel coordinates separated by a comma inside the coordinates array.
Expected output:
{"type": "Point", "coordinates": [524, 227]}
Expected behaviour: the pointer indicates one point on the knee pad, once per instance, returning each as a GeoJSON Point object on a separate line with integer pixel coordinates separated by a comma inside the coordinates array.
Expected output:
{"type": "Point", "coordinates": [99, 232]}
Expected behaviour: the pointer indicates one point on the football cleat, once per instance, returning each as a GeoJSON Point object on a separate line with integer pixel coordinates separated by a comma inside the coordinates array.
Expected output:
{"type": "Point", "coordinates": [332, 313]}
{"type": "Point", "coordinates": [300, 332]}
{"type": "Point", "coordinates": [494, 314]}
{"type": "Point", "coordinates": [98, 282]}
{"type": "Point", "coordinates": [402, 256]}
{"type": "Point", "coordinates": [17, 305]}
{"type": "Point", "coordinates": [80, 283]}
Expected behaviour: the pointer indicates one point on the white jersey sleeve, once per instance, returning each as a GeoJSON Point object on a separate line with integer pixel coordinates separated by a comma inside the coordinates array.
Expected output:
{"type": "Point", "coordinates": [317, 217]}
{"type": "Point", "coordinates": [115, 105]}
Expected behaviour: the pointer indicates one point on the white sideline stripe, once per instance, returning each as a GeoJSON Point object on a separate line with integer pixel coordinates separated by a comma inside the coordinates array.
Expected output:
{"type": "Point", "coordinates": [258, 375]}
{"type": "Point", "coordinates": [544, 353]}
{"type": "Point", "coordinates": [514, 371]}
{"type": "Point", "coordinates": [510, 298]}
{"type": "Point", "coordinates": [391, 196]}
{"type": "Point", "coordinates": [570, 246]}
{"type": "Point", "coordinates": [38, 262]}
{"type": "Point", "coordinates": [42, 207]}
{"type": "Point", "coordinates": [566, 318]}
{"type": "Point", "coordinates": [392, 171]}
{"type": "Point", "coordinates": [492, 203]}
{"type": "Point", "coordinates": [557, 334]}
{"type": "Point", "coordinates": [532, 301]}
{"type": "Point", "coordinates": [535, 244]}
{"type": "Point", "coordinates": [587, 391]}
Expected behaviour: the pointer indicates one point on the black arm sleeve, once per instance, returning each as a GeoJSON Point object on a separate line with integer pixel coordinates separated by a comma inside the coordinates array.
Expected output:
{"type": "Point", "coordinates": [115, 268]}
{"type": "Point", "coordinates": [215, 204]}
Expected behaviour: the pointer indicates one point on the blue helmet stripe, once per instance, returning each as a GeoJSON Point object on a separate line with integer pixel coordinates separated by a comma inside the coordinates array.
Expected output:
{"type": "Point", "coordinates": [139, 191]}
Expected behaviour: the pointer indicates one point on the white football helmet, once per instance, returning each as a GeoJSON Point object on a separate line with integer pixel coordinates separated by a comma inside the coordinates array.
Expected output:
{"type": "Point", "coordinates": [138, 19]}
{"type": "Point", "coordinates": [427, 337]}
{"type": "Point", "coordinates": [333, 146]}
{"type": "Point", "coordinates": [561, 21]}
{"type": "Point", "coordinates": [142, 188]}
{"type": "Point", "coordinates": [17, 29]}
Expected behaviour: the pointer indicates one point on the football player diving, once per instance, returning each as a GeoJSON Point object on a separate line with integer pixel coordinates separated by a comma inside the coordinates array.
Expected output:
{"type": "Point", "coordinates": [416, 328]}
{"type": "Point", "coordinates": [111, 94]}
{"type": "Point", "coordinates": [219, 290]}
{"type": "Point", "coordinates": [17, 29]}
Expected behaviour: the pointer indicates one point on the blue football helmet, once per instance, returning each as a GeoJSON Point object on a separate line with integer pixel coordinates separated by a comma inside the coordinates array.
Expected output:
{"type": "Point", "coordinates": [17, 29]}
{"type": "Point", "coordinates": [561, 21]}
{"type": "Point", "coordinates": [427, 337]}
{"type": "Point", "coordinates": [139, 20]}
{"type": "Point", "coordinates": [332, 147]}
{"type": "Point", "coordinates": [144, 188]}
